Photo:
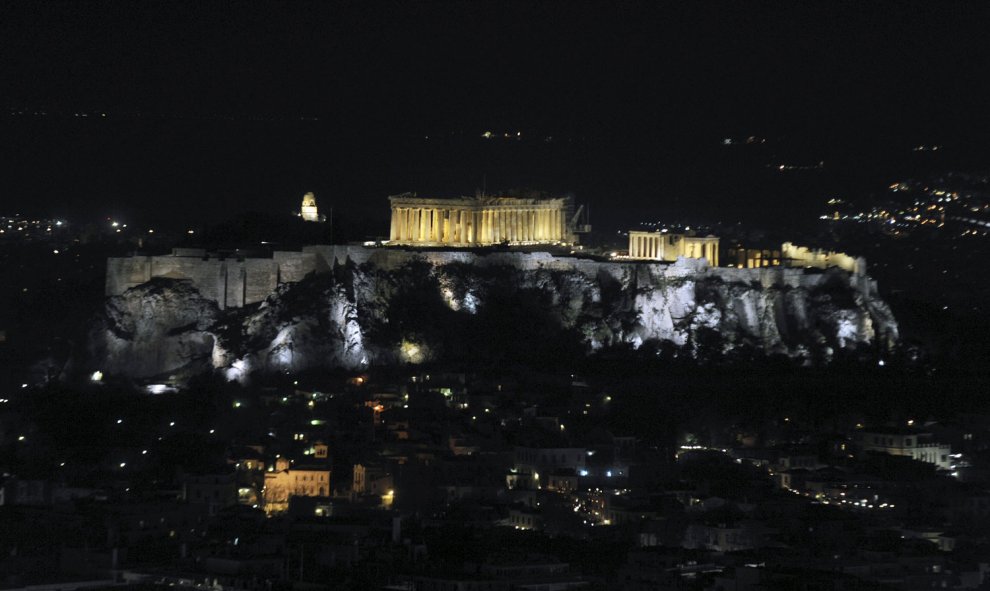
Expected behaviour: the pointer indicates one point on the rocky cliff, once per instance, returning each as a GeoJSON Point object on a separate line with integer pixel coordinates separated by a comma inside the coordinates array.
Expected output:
{"type": "Point", "coordinates": [513, 306]}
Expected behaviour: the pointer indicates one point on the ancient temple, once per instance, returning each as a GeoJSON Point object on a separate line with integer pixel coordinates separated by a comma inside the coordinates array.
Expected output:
{"type": "Point", "coordinates": [661, 246]}
{"type": "Point", "coordinates": [480, 221]}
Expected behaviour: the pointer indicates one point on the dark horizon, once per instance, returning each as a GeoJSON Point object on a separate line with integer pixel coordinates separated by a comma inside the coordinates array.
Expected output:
{"type": "Point", "coordinates": [210, 112]}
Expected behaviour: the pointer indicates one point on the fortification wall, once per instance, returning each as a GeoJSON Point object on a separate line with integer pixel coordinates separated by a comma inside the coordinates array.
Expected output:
{"type": "Point", "coordinates": [293, 266]}
{"type": "Point", "coordinates": [802, 256]}
{"type": "Point", "coordinates": [124, 273]}
{"type": "Point", "coordinates": [229, 282]}
{"type": "Point", "coordinates": [260, 278]}
{"type": "Point", "coordinates": [235, 283]}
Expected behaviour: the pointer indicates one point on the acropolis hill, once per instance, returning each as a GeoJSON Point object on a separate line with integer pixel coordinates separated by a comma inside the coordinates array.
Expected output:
{"type": "Point", "coordinates": [340, 306]}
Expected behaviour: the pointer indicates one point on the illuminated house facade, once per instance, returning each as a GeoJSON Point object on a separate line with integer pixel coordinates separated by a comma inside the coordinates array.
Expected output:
{"type": "Point", "coordinates": [287, 481]}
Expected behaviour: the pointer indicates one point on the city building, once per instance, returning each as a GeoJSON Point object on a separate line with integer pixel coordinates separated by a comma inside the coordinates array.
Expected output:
{"type": "Point", "coordinates": [915, 444]}
{"type": "Point", "coordinates": [216, 491]}
{"type": "Point", "coordinates": [286, 481]}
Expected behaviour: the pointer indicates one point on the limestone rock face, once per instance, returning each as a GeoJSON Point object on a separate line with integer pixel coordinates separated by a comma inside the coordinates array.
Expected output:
{"type": "Point", "coordinates": [509, 306]}
{"type": "Point", "coordinates": [155, 328]}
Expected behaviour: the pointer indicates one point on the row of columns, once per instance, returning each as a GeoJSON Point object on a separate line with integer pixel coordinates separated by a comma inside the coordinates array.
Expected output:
{"type": "Point", "coordinates": [476, 226]}
{"type": "Point", "coordinates": [652, 246]}
{"type": "Point", "coordinates": [707, 250]}
{"type": "Point", "coordinates": [646, 246]}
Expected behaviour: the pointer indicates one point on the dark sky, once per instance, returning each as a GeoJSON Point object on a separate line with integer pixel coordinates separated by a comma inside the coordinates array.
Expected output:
{"type": "Point", "coordinates": [636, 74]}
{"type": "Point", "coordinates": [459, 61]}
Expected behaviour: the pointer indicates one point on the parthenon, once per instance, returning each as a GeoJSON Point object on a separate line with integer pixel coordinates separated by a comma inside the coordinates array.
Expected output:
{"type": "Point", "coordinates": [479, 221]}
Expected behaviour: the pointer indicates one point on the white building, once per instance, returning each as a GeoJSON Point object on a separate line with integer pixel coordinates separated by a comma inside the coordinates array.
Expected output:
{"type": "Point", "coordinates": [309, 211]}
{"type": "Point", "coordinates": [911, 443]}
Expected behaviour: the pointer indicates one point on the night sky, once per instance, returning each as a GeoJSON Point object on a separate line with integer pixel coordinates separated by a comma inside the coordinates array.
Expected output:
{"type": "Point", "coordinates": [227, 107]}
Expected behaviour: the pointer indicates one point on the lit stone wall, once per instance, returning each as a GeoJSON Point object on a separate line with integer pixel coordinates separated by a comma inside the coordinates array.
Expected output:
{"type": "Point", "coordinates": [802, 256]}
{"type": "Point", "coordinates": [475, 221]}
{"type": "Point", "coordinates": [661, 246]}
{"type": "Point", "coordinates": [231, 282]}
{"type": "Point", "coordinates": [293, 266]}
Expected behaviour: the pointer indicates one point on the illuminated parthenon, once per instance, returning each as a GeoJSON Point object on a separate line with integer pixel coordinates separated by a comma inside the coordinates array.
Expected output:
{"type": "Point", "coordinates": [661, 246]}
{"type": "Point", "coordinates": [480, 221]}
